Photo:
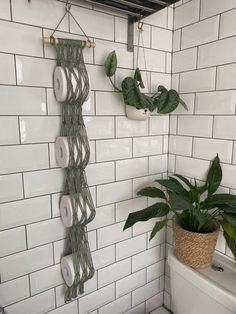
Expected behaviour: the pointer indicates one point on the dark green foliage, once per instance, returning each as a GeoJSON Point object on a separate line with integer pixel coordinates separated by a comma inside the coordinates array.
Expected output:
{"type": "Point", "coordinates": [194, 214]}
{"type": "Point", "coordinates": [163, 101]}
{"type": "Point", "coordinates": [111, 64]}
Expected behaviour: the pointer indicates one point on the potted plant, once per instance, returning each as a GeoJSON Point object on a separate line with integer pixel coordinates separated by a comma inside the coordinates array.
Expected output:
{"type": "Point", "coordinates": [198, 214]}
{"type": "Point", "coordinates": [139, 105]}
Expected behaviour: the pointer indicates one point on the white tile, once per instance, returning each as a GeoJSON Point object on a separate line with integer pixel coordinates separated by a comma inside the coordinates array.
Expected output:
{"type": "Point", "coordinates": [5, 10]}
{"type": "Point", "coordinates": [224, 127]}
{"type": "Point", "coordinates": [99, 127]}
{"type": "Point", "coordinates": [131, 282]}
{"type": "Point", "coordinates": [113, 149]}
{"type": "Point", "coordinates": [39, 129]}
{"type": "Point", "coordinates": [192, 167]}
{"type": "Point", "coordinates": [229, 172]}
{"type": "Point", "coordinates": [23, 158]}
{"type": "Point", "coordinates": [146, 33]}
{"type": "Point", "coordinates": [156, 270]}
{"type": "Point", "coordinates": [39, 13]}
{"type": "Point", "coordinates": [208, 148]}
{"type": "Point", "coordinates": [43, 182]}
{"type": "Point", "coordinates": [157, 19]}
{"type": "Point", "coordinates": [130, 247]}
{"type": "Point", "coordinates": [7, 69]}
{"type": "Point", "coordinates": [26, 211]}
{"type": "Point", "coordinates": [12, 241]}
{"type": "Point", "coordinates": [124, 57]}
{"type": "Point", "coordinates": [126, 207]}
{"type": "Point", "coordinates": [159, 125]}
{"type": "Point", "coordinates": [96, 299]}
{"type": "Point", "coordinates": [103, 257]}
{"type": "Point", "coordinates": [225, 75]}
{"type": "Point", "coordinates": [30, 43]}
{"type": "Point", "coordinates": [114, 192]}
{"type": "Point", "coordinates": [157, 164]}
{"type": "Point", "coordinates": [189, 100]}
{"type": "Point", "coordinates": [9, 131]}
{"type": "Point", "coordinates": [186, 14]}
{"type": "Point", "coordinates": [161, 39]}
{"type": "Point", "coordinates": [14, 291]}
{"type": "Point", "coordinates": [198, 81]}
{"type": "Point", "coordinates": [217, 53]}
{"type": "Point", "coordinates": [184, 60]}
{"type": "Point", "coordinates": [121, 28]}
{"type": "Point", "coordinates": [176, 40]}
{"type": "Point", "coordinates": [99, 82]}
{"type": "Point", "coordinates": [96, 24]}
{"type": "Point", "coordinates": [175, 79]}
{"type": "Point", "coordinates": [113, 272]}
{"type": "Point", "coordinates": [167, 300]}
{"type": "Point", "coordinates": [105, 215]}
{"type": "Point", "coordinates": [41, 303]}
{"type": "Point", "coordinates": [45, 279]}
{"type": "Point", "coordinates": [11, 187]}
{"type": "Point", "coordinates": [221, 243]}
{"type": "Point", "coordinates": [140, 309]}
{"type": "Point", "coordinates": [227, 24]}
{"type": "Point", "coordinates": [117, 306]}
{"type": "Point", "coordinates": [160, 79]}
{"type": "Point", "coordinates": [200, 33]}
{"type": "Point", "coordinates": [18, 100]}
{"type": "Point", "coordinates": [112, 234]}
{"type": "Point", "coordinates": [45, 232]}
{"type": "Point", "coordinates": [145, 292]}
{"type": "Point", "coordinates": [170, 22]}
{"type": "Point", "coordinates": [152, 60]}
{"type": "Point", "coordinates": [26, 67]}
{"type": "Point", "coordinates": [146, 258]}
{"type": "Point", "coordinates": [25, 262]}
{"type": "Point", "coordinates": [144, 146]}
{"type": "Point", "coordinates": [195, 125]}
{"type": "Point", "coordinates": [109, 103]}
{"type": "Point", "coordinates": [131, 168]}
{"type": "Point", "coordinates": [100, 173]}
{"type": "Point", "coordinates": [180, 145]}
{"type": "Point", "coordinates": [213, 7]}
{"type": "Point", "coordinates": [128, 128]}
{"type": "Point", "coordinates": [71, 308]}
{"type": "Point", "coordinates": [217, 103]}
{"type": "Point", "coordinates": [154, 302]}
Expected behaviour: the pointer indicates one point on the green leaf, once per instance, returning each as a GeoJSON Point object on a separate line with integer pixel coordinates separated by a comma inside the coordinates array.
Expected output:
{"type": "Point", "coordinates": [111, 64]}
{"type": "Point", "coordinates": [228, 228]}
{"type": "Point", "coordinates": [152, 192]}
{"type": "Point", "coordinates": [231, 219]}
{"type": "Point", "coordinates": [214, 176]}
{"type": "Point", "coordinates": [221, 199]}
{"type": "Point", "coordinates": [231, 243]}
{"type": "Point", "coordinates": [167, 101]}
{"type": "Point", "coordinates": [185, 180]}
{"type": "Point", "coordinates": [172, 185]}
{"type": "Point", "coordinates": [131, 93]}
{"type": "Point", "coordinates": [138, 78]}
{"type": "Point", "coordinates": [156, 210]}
{"type": "Point", "coordinates": [158, 226]}
{"type": "Point", "coordinates": [179, 202]}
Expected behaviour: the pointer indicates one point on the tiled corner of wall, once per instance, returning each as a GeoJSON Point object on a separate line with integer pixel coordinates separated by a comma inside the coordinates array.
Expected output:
{"type": "Point", "coordinates": [125, 154]}
{"type": "Point", "coordinates": [203, 69]}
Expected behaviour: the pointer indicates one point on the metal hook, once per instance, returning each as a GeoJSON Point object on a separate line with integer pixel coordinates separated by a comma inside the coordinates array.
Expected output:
{"type": "Point", "coordinates": [68, 6]}
{"type": "Point", "coordinates": [140, 26]}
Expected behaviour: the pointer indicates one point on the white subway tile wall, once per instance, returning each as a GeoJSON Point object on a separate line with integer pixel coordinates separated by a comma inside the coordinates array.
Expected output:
{"type": "Point", "coordinates": [204, 65]}
{"type": "Point", "coordinates": [124, 154]}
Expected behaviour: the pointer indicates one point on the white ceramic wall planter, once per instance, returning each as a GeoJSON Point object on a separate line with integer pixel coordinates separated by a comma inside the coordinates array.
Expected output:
{"type": "Point", "coordinates": [136, 114]}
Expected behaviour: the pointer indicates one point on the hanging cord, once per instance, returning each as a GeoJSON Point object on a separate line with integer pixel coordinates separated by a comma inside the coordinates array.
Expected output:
{"type": "Point", "coordinates": [68, 12]}
{"type": "Point", "coordinates": [140, 35]}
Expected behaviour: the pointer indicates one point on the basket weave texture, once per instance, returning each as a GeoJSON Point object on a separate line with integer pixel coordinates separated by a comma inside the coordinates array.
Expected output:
{"type": "Point", "coordinates": [194, 249]}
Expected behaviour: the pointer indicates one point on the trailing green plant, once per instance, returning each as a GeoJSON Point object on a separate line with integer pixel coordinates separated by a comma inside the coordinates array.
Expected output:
{"type": "Point", "coordinates": [198, 207]}
{"type": "Point", "coordinates": [164, 101]}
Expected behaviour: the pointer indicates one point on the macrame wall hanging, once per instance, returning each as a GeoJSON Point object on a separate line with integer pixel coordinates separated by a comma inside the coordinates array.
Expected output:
{"type": "Point", "coordinates": [71, 87]}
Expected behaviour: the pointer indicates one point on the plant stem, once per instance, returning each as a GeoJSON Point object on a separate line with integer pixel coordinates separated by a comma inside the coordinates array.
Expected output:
{"type": "Point", "coordinates": [116, 88]}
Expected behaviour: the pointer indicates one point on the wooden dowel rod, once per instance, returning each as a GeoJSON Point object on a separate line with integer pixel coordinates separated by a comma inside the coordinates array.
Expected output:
{"type": "Point", "coordinates": [49, 40]}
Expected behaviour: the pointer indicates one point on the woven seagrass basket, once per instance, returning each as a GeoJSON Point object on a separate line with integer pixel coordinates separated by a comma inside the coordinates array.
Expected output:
{"type": "Point", "coordinates": [194, 249]}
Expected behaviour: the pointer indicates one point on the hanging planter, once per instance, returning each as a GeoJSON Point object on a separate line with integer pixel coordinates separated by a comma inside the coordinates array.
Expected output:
{"type": "Point", "coordinates": [163, 101]}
